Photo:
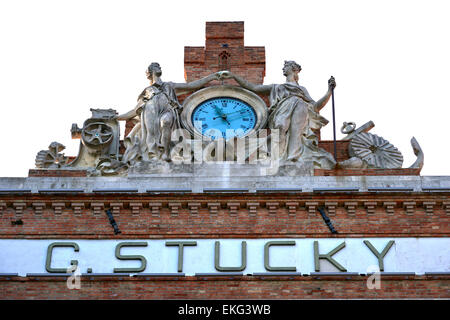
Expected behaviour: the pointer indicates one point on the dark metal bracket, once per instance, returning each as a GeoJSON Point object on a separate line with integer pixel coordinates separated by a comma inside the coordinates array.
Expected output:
{"type": "Point", "coordinates": [327, 220]}
{"type": "Point", "coordinates": [112, 222]}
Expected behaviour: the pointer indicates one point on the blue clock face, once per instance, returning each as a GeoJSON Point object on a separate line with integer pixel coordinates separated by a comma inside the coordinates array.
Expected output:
{"type": "Point", "coordinates": [224, 117]}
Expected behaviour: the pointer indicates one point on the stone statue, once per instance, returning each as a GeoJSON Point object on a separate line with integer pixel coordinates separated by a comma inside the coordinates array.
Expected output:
{"type": "Point", "coordinates": [157, 111]}
{"type": "Point", "coordinates": [294, 113]}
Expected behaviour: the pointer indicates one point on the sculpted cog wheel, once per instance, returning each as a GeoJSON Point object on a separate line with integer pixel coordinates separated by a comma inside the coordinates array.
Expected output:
{"type": "Point", "coordinates": [376, 151]}
{"type": "Point", "coordinates": [97, 134]}
{"type": "Point", "coordinates": [51, 158]}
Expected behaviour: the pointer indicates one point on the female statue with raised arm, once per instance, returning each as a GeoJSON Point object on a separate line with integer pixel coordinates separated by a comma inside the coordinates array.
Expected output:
{"type": "Point", "coordinates": [294, 113]}
{"type": "Point", "coordinates": [157, 110]}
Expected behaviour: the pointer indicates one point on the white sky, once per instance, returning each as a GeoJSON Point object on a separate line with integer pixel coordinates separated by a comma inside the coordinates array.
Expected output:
{"type": "Point", "coordinates": [58, 59]}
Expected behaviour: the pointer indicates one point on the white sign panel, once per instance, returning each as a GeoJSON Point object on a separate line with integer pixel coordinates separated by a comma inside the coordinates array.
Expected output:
{"type": "Point", "coordinates": [417, 255]}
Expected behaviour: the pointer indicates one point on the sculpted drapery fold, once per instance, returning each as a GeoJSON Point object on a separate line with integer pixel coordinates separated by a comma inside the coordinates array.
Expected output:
{"type": "Point", "coordinates": [292, 113]}
{"type": "Point", "coordinates": [157, 107]}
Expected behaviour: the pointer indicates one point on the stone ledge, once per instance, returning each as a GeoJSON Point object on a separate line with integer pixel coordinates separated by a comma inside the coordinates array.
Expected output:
{"type": "Point", "coordinates": [254, 206]}
{"type": "Point", "coordinates": [56, 173]}
{"type": "Point", "coordinates": [368, 172]}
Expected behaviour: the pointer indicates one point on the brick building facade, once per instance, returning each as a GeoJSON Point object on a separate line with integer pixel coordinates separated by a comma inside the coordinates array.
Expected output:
{"type": "Point", "coordinates": [370, 204]}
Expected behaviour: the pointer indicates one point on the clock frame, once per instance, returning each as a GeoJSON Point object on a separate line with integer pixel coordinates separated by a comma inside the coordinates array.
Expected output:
{"type": "Point", "coordinates": [198, 97]}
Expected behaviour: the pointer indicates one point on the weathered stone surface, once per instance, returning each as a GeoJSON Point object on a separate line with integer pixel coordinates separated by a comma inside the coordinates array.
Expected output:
{"type": "Point", "coordinates": [220, 178]}
{"type": "Point", "coordinates": [375, 151]}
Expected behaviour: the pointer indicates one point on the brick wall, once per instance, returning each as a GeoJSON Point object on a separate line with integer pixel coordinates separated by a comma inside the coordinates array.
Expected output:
{"type": "Point", "coordinates": [243, 287]}
{"type": "Point", "coordinates": [226, 216]}
{"type": "Point", "coordinates": [225, 39]}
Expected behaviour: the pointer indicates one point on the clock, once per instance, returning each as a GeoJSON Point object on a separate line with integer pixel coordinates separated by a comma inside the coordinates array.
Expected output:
{"type": "Point", "coordinates": [223, 112]}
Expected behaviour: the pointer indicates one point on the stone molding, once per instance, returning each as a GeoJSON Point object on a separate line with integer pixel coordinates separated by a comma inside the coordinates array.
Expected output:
{"type": "Point", "coordinates": [351, 207]}
{"type": "Point", "coordinates": [135, 207]}
{"type": "Point", "coordinates": [370, 207]}
{"type": "Point", "coordinates": [233, 207]}
{"type": "Point", "coordinates": [272, 207]}
{"type": "Point", "coordinates": [253, 207]}
{"type": "Point", "coordinates": [38, 207]}
{"type": "Point", "coordinates": [58, 207]}
{"type": "Point", "coordinates": [77, 207]}
{"type": "Point", "coordinates": [292, 207]}
{"type": "Point", "coordinates": [409, 207]}
{"type": "Point", "coordinates": [331, 208]}
{"type": "Point", "coordinates": [97, 207]}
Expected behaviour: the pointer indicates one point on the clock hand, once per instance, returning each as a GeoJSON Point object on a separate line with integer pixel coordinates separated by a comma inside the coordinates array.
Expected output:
{"type": "Point", "coordinates": [221, 114]}
{"type": "Point", "coordinates": [239, 116]}
{"type": "Point", "coordinates": [224, 117]}
{"type": "Point", "coordinates": [227, 114]}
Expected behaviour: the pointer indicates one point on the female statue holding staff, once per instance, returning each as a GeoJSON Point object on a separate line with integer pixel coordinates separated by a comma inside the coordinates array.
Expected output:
{"type": "Point", "coordinates": [294, 113]}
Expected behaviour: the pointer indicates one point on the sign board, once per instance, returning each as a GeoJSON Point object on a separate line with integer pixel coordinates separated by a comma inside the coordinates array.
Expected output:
{"type": "Point", "coordinates": [191, 256]}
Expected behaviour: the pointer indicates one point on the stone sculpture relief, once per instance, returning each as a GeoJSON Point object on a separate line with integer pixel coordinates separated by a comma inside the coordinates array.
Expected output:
{"type": "Point", "coordinates": [100, 139]}
{"type": "Point", "coordinates": [149, 148]}
{"type": "Point", "coordinates": [368, 150]}
{"type": "Point", "coordinates": [295, 114]}
{"type": "Point", "coordinates": [157, 111]}
{"type": "Point", "coordinates": [375, 151]}
{"type": "Point", "coordinates": [51, 158]}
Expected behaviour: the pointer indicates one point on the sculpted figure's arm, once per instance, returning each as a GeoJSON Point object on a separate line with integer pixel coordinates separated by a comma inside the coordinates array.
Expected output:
{"type": "Point", "coordinates": [323, 101]}
{"type": "Point", "coordinates": [128, 115]}
{"type": "Point", "coordinates": [258, 88]}
{"type": "Point", "coordinates": [182, 88]}
{"type": "Point", "coordinates": [142, 99]}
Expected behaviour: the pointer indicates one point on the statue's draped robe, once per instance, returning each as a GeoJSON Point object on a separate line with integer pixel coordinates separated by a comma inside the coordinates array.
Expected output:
{"type": "Point", "coordinates": [292, 113]}
{"type": "Point", "coordinates": [144, 141]}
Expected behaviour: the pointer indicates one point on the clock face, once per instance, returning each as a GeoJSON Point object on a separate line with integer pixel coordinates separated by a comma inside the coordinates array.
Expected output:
{"type": "Point", "coordinates": [224, 117]}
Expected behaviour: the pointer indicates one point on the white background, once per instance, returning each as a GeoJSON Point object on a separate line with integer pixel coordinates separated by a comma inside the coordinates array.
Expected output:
{"type": "Point", "coordinates": [391, 61]}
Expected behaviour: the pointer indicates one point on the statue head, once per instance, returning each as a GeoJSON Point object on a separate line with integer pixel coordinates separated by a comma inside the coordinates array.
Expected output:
{"type": "Point", "coordinates": [291, 66]}
{"type": "Point", "coordinates": [153, 70]}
